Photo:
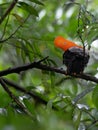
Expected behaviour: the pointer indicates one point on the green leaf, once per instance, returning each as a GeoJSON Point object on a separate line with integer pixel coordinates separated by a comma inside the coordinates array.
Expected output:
{"type": "Point", "coordinates": [95, 96]}
{"type": "Point", "coordinates": [28, 8]}
{"type": "Point", "coordinates": [29, 105]}
{"type": "Point", "coordinates": [18, 17]}
{"type": "Point", "coordinates": [18, 48]}
{"type": "Point", "coordinates": [37, 2]}
{"type": "Point", "coordinates": [52, 62]}
{"type": "Point", "coordinates": [30, 53]}
{"type": "Point", "coordinates": [49, 104]}
{"type": "Point", "coordinates": [77, 122]}
{"type": "Point", "coordinates": [52, 78]}
{"type": "Point", "coordinates": [37, 50]}
{"type": "Point", "coordinates": [23, 55]}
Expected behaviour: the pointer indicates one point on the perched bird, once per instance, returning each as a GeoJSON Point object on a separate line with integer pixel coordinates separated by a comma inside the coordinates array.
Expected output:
{"type": "Point", "coordinates": [74, 57]}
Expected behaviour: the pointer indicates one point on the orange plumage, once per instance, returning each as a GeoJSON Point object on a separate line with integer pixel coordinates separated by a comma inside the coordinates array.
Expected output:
{"type": "Point", "coordinates": [64, 44]}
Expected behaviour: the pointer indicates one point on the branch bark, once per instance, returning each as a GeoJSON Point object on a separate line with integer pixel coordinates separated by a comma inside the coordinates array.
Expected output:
{"type": "Point", "coordinates": [39, 65]}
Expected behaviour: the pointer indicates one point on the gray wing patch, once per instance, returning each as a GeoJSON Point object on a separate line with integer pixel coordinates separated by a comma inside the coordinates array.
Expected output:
{"type": "Point", "coordinates": [77, 50]}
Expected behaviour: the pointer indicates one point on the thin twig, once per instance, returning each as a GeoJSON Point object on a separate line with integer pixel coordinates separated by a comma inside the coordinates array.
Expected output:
{"type": "Point", "coordinates": [12, 5]}
{"type": "Point", "coordinates": [92, 124]}
{"type": "Point", "coordinates": [4, 30]}
{"type": "Point", "coordinates": [79, 30]}
{"type": "Point", "coordinates": [43, 59]}
{"type": "Point", "coordinates": [82, 94]}
{"type": "Point", "coordinates": [4, 40]}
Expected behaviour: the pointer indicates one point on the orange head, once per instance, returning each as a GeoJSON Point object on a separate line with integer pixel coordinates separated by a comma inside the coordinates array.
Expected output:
{"type": "Point", "coordinates": [64, 44]}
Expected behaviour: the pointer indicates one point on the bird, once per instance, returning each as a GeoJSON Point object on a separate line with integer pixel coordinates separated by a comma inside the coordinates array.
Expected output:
{"type": "Point", "coordinates": [74, 57]}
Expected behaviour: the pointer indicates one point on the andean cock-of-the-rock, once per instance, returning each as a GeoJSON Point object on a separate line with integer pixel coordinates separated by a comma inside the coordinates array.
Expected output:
{"type": "Point", "coordinates": [74, 57]}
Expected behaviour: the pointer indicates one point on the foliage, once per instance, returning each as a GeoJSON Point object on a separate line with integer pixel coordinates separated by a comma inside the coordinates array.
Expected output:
{"type": "Point", "coordinates": [48, 100]}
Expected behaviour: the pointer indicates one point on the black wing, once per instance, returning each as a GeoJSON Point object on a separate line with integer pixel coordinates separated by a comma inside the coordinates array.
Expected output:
{"type": "Point", "coordinates": [75, 59]}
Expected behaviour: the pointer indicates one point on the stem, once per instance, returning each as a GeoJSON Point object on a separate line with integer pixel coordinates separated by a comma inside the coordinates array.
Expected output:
{"type": "Point", "coordinates": [12, 5]}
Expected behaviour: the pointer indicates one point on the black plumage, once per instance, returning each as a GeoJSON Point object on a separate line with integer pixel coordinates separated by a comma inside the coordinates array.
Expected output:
{"type": "Point", "coordinates": [75, 60]}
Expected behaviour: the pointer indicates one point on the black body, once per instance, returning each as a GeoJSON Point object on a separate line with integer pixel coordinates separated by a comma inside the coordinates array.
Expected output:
{"type": "Point", "coordinates": [75, 60]}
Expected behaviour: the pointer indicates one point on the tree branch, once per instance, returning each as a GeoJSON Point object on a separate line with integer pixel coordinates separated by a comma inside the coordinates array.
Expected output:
{"type": "Point", "coordinates": [14, 97]}
{"type": "Point", "coordinates": [12, 5]}
{"type": "Point", "coordinates": [37, 97]}
{"type": "Point", "coordinates": [21, 89]}
{"type": "Point", "coordinates": [39, 65]}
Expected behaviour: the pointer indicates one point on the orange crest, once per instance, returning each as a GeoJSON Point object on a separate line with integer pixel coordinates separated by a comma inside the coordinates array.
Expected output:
{"type": "Point", "coordinates": [64, 44]}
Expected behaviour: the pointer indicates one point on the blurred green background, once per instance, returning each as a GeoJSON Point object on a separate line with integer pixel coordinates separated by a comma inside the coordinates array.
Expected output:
{"type": "Point", "coordinates": [27, 35]}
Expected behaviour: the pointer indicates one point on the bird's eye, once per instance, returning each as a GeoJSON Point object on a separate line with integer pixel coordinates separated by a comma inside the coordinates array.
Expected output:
{"type": "Point", "coordinates": [64, 42]}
